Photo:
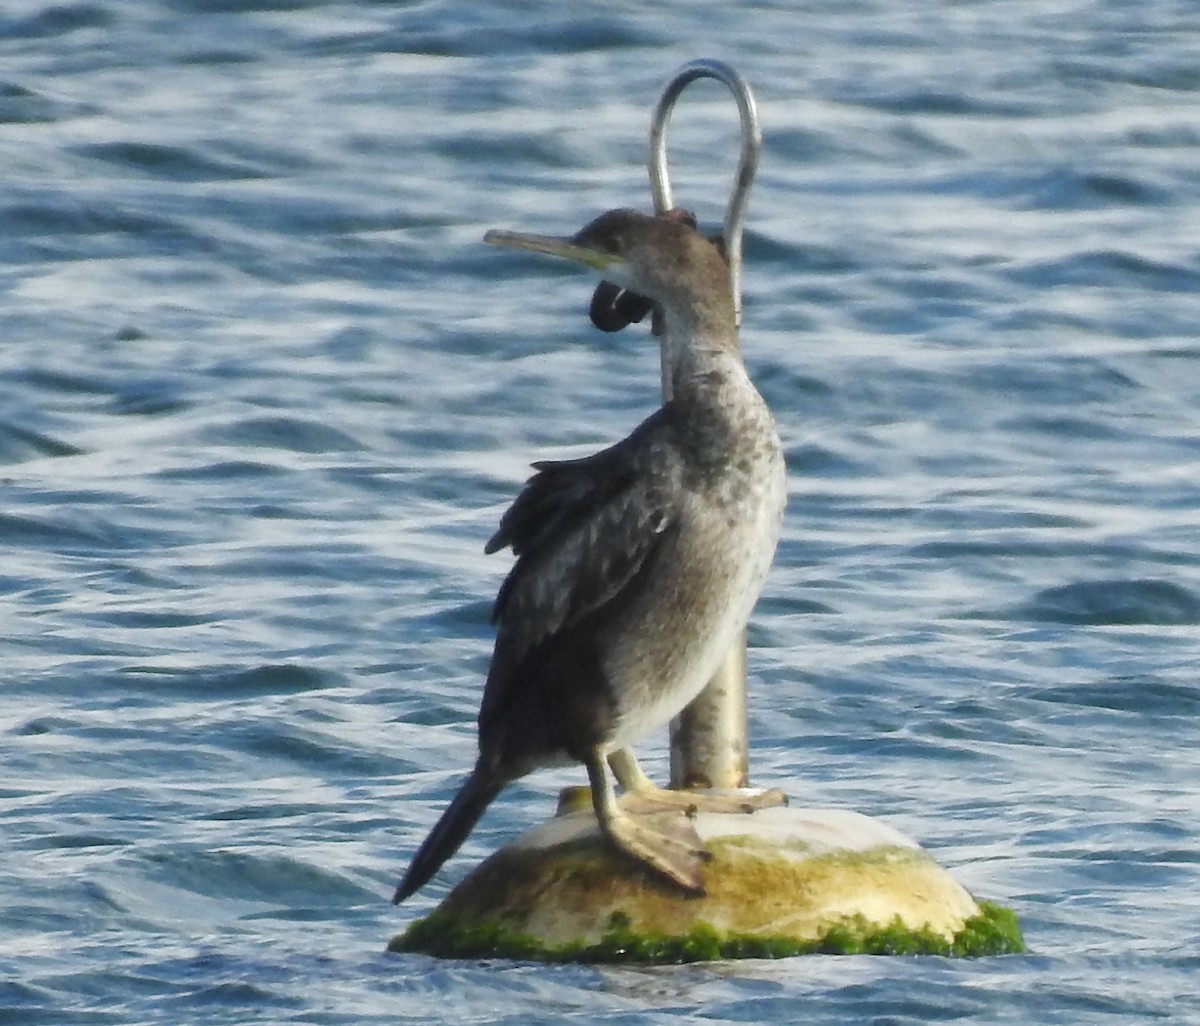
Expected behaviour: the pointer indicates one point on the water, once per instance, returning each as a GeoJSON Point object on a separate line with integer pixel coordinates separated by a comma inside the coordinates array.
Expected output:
{"type": "Point", "coordinates": [263, 395]}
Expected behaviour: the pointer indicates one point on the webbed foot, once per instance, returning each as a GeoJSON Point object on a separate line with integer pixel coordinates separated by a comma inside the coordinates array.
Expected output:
{"type": "Point", "coordinates": [664, 842]}
{"type": "Point", "coordinates": [646, 800]}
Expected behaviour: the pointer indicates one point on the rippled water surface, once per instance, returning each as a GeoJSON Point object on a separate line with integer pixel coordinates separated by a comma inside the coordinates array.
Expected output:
{"type": "Point", "coordinates": [263, 395]}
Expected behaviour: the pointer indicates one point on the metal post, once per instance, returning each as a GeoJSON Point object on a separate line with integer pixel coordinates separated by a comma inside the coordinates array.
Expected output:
{"type": "Point", "coordinates": [710, 738]}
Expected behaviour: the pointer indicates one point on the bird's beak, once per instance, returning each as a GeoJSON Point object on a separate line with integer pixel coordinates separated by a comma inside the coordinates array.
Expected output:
{"type": "Point", "coordinates": [553, 245]}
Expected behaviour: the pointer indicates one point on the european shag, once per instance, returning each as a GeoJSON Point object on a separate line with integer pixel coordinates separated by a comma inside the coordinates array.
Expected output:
{"type": "Point", "coordinates": [637, 567]}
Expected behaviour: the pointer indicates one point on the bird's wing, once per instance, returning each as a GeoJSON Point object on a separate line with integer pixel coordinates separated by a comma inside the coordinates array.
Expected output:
{"type": "Point", "coordinates": [581, 530]}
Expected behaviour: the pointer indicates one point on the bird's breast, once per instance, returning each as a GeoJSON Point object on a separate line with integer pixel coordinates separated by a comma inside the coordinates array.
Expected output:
{"type": "Point", "coordinates": [702, 587]}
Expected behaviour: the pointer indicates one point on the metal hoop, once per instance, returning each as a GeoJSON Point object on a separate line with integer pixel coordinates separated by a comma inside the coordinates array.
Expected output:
{"type": "Point", "coordinates": [660, 182]}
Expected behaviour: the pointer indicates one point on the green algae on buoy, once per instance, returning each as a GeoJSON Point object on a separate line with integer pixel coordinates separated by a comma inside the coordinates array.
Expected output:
{"type": "Point", "coordinates": [781, 882]}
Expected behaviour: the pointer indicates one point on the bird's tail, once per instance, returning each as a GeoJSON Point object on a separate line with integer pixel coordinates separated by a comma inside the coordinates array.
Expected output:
{"type": "Point", "coordinates": [451, 830]}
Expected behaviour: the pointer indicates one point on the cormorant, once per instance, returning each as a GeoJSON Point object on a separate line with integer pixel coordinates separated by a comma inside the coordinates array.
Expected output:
{"type": "Point", "coordinates": [637, 567]}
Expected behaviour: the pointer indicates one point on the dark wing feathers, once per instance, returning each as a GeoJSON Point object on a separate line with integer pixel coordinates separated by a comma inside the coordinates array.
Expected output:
{"type": "Point", "coordinates": [556, 498]}
{"type": "Point", "coordinates": [581, 530]}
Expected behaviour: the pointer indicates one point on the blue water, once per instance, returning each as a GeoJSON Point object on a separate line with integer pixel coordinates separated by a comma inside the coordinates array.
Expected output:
{"type": "Point", "coordinates": [263, 395]}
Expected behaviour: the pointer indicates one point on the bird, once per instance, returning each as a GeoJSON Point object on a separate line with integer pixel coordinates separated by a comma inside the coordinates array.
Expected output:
{"type": "Point", "coordinates": [636, 567]}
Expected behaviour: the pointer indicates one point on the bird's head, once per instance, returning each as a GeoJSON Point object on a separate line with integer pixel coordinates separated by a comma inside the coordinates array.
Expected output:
{"type": "Point", "coordinates": [667, 261]}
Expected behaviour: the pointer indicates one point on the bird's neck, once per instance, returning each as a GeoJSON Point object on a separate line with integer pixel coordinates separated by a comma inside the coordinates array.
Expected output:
{"type": "Point", "coordinates": [692, 350]}
{"type": "Point", "coordinates": [714, 404]}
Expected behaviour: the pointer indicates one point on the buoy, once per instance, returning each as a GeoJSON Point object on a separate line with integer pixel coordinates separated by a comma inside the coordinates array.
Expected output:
{"type": "Point", "coordinates": [781, 882]}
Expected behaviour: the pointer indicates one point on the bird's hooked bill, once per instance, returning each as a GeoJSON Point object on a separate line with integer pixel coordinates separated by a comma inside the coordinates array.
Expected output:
{"type": "Point", "coordinates": [553, 245]}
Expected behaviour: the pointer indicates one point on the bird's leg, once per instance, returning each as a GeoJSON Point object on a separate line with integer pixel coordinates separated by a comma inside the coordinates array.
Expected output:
{"type": "Point", "coordinates": [664, 842]}
{"type": "Point", "coordinates": [629, 772]}
{"type": "Point", "coordinates": [642, 795]}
